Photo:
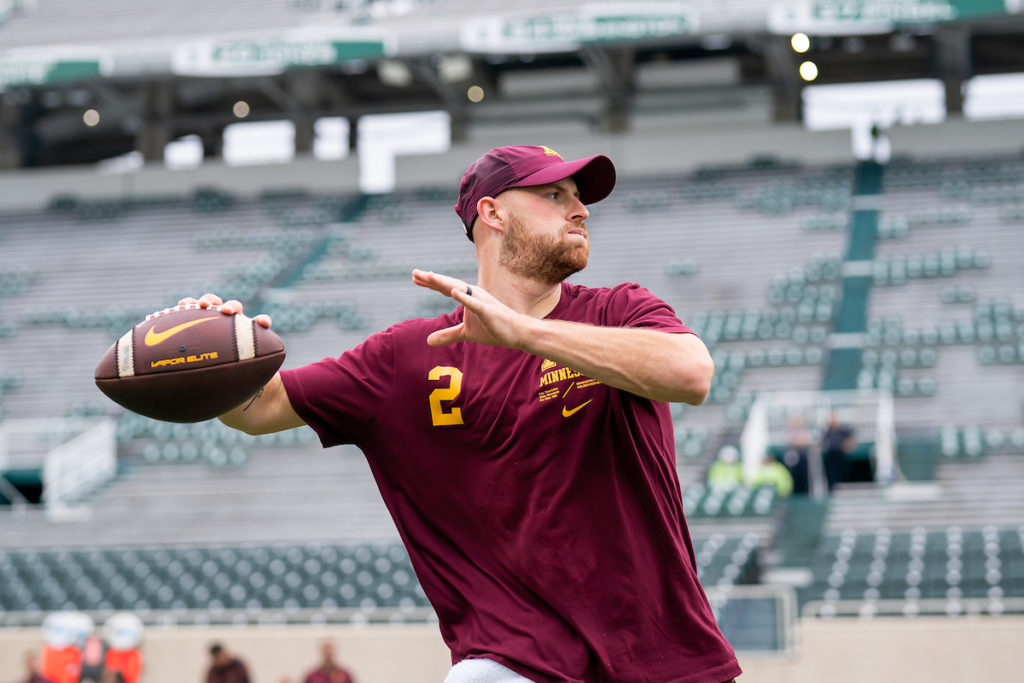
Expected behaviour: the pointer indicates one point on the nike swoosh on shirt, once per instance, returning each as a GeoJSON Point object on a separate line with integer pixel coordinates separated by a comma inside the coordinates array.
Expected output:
{"type": "Point", "coordinates": [153, 337]}
{"type": "Point", "coordinates": [569, 413]}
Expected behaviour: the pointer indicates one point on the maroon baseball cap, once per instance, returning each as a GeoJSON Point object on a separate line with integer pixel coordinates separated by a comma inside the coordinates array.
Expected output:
{"type": "Point", "coordinates": [526, 165]}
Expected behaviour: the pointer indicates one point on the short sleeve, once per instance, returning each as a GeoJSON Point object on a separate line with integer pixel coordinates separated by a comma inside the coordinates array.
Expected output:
{"type": "Point", "coordinates": [341, 397]}
{"type": "Point", "coordinates": [630, 305]}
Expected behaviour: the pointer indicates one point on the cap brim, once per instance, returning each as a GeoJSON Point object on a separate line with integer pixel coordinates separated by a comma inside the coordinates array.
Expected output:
{"type": "Point", "coordinates": [594, 176]}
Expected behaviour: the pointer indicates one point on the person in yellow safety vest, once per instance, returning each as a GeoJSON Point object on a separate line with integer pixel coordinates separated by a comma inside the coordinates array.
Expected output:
{"type": "Point", "coordinates": [771, 472]}
{"type": "Point", "coordinates": [727, 471]}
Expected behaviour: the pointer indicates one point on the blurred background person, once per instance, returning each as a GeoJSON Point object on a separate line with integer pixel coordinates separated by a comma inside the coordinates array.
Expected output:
{"type": "Point", "coordinates": [225, 667]}
{"type": "Point", "coordinates": [836, 444]}
{"type": "Point", "coordinates": [93, 655]}
{"type": "Point", "coordinates": [771, 472]}
{"type": "Point", "coordinates": [123, 634]}
{"type": "Point", "coordinates": [328, 670]}
{"type": "Point", "coordinates": [726, 471]}
{"type": "Point", "coordinates": [32, 672]}
{"type": "Point", "coordinates": [796, 456]}
{"type": "Point", "coordinates": [64, 635]}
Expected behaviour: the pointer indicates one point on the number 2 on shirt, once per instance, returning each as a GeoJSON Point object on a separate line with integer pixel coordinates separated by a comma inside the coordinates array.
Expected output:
{"type": "Point", "coordinates": [438, 415]}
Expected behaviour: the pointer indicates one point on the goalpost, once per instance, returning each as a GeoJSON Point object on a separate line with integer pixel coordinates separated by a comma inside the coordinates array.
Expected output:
{"type": "Point", "coordinates": [868, 412]}
{"type": "Point", "coordinates": [75, 455]}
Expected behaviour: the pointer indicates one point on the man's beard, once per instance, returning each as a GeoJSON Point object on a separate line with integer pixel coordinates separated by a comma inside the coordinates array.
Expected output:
{"type": "Point", "coordinates": [541, 257]}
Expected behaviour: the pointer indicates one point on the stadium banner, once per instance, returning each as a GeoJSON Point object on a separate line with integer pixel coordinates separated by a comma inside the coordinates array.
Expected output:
{"type": "Point", "coordinates": [862, 17]}
{"type": "Point", "coordinates": [273, 53]}
{"type": "Point", "coordinates": [22, 67]}
{"type": "Point", "coordinates": [566, 30]}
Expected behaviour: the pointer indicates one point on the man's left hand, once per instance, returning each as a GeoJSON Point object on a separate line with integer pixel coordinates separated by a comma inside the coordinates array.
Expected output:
{"type": "Point", "coordinates": [486, 320]}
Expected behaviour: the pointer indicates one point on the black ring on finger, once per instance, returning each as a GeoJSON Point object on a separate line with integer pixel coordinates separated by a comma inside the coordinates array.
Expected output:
{"type": "Point", "coordinates": [469, 291]}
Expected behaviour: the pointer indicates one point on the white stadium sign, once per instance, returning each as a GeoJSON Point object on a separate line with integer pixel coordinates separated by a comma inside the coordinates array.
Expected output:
{"type": "Point", "coordinates": [566, 30]}
{"type": "Point", "coordinates": [28, 67]}
{"type": "Point", "coordinates": [266, 55]}
{"type": "Point", "coordinates": [850, 17]}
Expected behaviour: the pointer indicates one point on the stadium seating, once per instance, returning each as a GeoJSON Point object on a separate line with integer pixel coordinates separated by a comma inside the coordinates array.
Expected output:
{"type": "Point", "coordinates": [701, 501]}
{"type": "Point", "coordinates": [747, 255]}
{"type": "Point", "coordinates": [215, 583]}
{"type": "Point", "coordinates": [944, 291]}
{"type": "Point", "coordinates": [919, 571]}
{"type": "Point", "coordinates": [289, 583]}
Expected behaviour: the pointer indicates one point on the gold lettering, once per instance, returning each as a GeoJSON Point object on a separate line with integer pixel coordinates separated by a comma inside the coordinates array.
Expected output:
{"type": "Point", "coordinates": [559, 375]}
{"type": "Point", "coordinates": [209, 355]}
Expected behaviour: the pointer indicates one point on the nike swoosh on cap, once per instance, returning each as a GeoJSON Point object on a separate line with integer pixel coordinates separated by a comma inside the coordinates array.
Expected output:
{"type": "Point", "coordinates": [153, 337]}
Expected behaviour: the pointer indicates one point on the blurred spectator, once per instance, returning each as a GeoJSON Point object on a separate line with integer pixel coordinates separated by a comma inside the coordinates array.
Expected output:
{"type": "Point", "coordinates": [109, 676]}
{"type": "Point", "coordinates": [836, 444]}
{"type": "Point", "coordinates": [123, 634]}
{"type": "Point", "coordinates": [772, 473]}
{"type": "Point", "coordinates": [127, 664]}
{"type": "Point", "coordinates": [61, 664]}
{"type": "Point", "coordinates": [225, 667]}
{"type": "Point", "coordinates": [795, 457]}
{"type": "Point", "coordinates": [32, 672]}
{"type": "Point", "coordinates": [328, 671]}
{"type": "Point", "coordinates": [93, 655]}
{"type": "Point", "coordinates": [727, 471]}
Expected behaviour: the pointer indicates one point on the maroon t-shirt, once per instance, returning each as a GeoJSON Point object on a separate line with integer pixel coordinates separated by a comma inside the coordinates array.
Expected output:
{"type": "Point", "coordinates": [541, 509]}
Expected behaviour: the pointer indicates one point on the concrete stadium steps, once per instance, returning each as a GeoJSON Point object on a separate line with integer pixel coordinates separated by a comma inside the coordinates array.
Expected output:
{"type": "Point", "coordinates": [988, 491]}
{"type": "Point", "coordinates": [965, 388]}
{"type": "Point", "coordinates": [125, 261]}
{"type": "Point", "coordinates": [287, 495]}
{"type": "Point", "coordinates": [642, 243]}
{"type": "Point", "coordinates": [134, 264]}
{"type": "Point", "coordinates": [55, 372]}
{"type": "Point", "coordinates": [966, 392]}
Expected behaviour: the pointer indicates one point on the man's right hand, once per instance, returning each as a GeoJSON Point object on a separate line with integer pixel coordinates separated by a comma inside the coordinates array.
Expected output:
{"type": "Point", "coordinates": [230, 307]}
{"type": "Point", "coordinates": [268, 411]}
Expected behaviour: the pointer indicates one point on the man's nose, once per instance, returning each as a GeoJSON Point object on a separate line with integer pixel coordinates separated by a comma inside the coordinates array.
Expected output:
{"type": "Point", "coordinates": [579, 211]}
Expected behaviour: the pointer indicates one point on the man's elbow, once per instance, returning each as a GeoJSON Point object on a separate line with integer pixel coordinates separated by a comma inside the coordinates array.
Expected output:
{"type": "Point", "coordinates": [695, 380]}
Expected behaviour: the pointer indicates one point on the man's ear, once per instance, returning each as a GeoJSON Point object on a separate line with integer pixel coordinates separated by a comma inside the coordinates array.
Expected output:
{"type": "Point", "coordinates": [489, 212]}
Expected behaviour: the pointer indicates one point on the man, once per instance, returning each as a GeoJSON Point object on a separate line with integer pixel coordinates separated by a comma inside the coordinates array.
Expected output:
{"type": "Point", "coordinates": [225, 667]}
{"type": "Point", "coordinates": [328, 671]}
{"type": "Point", "coordinates": [837, 443]}
{"type": "Point", "coordinates": [772, 473]}
{"type": "Point", "coordinates": [32, 671]}
{"type": "Point", "coordinates": [524, 445]}
{"type": "Point", "coordinates": [726, 473]}
{"type": "Point", "coordinates": [796, 457]}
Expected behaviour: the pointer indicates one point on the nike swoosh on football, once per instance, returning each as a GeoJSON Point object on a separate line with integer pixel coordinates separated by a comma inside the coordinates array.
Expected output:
{"type": "Point", "coordinates": [153, 337]}
{"type": "Point", "coordinates": [569, 413]}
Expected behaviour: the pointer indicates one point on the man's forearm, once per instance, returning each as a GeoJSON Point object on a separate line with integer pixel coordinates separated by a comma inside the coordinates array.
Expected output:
{"type": "Point", "coordinates": [268, 411]}
{"type": "Point", "coordinates": [658, 365]}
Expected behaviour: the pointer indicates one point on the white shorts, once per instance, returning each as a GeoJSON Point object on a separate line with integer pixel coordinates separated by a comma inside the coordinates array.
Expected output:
{"type": "Point", "coordinates": [482, 671]}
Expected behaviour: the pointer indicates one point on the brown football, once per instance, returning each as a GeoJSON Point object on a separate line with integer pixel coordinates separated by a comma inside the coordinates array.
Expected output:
{"type": "Point", "coordinates": [188, 364]}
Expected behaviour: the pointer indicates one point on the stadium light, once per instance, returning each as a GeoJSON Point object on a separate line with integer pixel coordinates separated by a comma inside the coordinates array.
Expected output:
{"type": "Point", "coordinates": [475, 94]}
{"type": "Point", "coordinates": [241, 109]}
{"type": "Point", "coordinates": [394, 73]}
{"type": "Point", "coordinates": [91, 118]}
{"type": "Point", "coordinates": [800, 42]}
{"type": "Point", "coordinates": [808, 71]}
{"type": "Point", "coordinates": [454, 68]}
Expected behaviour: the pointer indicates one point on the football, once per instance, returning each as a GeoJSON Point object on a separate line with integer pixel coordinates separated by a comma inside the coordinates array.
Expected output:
{"type": "Point", "coordinates": [188, 364]}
